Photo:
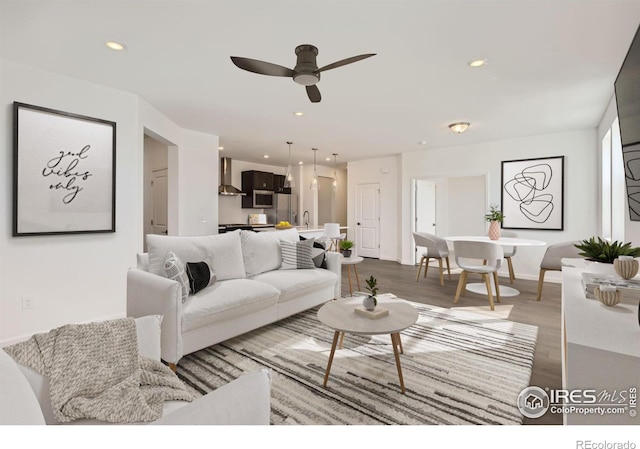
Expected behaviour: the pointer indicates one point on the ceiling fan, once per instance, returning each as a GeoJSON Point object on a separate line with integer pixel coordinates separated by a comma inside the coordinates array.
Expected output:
{"type": "Point", "coordinates": [306, 71]}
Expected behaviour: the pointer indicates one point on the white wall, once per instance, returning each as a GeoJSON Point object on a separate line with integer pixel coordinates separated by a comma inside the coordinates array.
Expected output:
{"type": "Point", "coordinates": [386, 172]}
{"type": "Point", "coordinates": [82, 277]}
{"type": "Point", "coordinates": [75, 277]}
{"type": "Point", "coordinates": [581, 208]}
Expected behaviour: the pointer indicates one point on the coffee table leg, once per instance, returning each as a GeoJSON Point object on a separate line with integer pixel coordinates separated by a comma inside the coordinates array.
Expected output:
{"type": "Point", "coordinates": [336, 334]}
{"type": "Point", "coordinates": [395, 341]}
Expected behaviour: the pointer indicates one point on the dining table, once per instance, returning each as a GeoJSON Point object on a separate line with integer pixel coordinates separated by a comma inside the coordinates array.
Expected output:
{"type": "Point", "coordinates": [481, 288]}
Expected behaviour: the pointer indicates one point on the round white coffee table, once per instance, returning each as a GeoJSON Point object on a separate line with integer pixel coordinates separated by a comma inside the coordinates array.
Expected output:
{"type": "Point", "coordinates": [341, 316]}
{"type": "Point", "coordinates": [349, 262]}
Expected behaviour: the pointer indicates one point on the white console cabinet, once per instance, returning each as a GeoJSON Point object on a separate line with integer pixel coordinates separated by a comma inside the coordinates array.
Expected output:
{"type": "Point", "coordinates": [601, 349]}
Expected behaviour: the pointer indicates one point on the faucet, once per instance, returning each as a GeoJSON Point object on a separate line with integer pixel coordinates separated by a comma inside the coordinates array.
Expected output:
{"type": "Point", "coordinates": [305, 217]}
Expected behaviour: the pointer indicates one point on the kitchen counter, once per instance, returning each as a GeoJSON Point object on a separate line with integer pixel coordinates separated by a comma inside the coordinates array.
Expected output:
{"type": "Point", "coordinates": [308, 231]}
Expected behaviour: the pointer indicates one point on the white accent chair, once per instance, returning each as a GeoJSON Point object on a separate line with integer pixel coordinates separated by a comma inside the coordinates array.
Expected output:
{"type": "Point", "coordinates": [552, 260]}
{"type": "Point", "coordinates": [482, 258]}
{"type": "Point", "coordinates": [509, 252]}
{"type": "Point", "coordinates": [436, 249]}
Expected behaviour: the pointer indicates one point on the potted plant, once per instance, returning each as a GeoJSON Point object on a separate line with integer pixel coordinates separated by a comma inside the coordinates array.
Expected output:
{"type": "Point", "coordinates": [604, 251]}
{"type": "Point", "coordinates": [371, 301]}
{"type": "Point", "coordinates": [495, 218]}
{"type": "Point", "coordinates": [345, 247]}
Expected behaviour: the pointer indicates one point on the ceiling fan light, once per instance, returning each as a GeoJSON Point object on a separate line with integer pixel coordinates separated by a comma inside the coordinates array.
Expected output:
{"type": "Point", "coordinates": [459, 127]}
{"type": "Point", "coordinates": [307, 79]}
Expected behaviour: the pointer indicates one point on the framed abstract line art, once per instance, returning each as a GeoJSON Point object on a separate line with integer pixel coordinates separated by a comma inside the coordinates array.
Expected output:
{"type": "Point", "coordinates": [532, 193]}
{"type": "Point", "coordinates": [63, 172]}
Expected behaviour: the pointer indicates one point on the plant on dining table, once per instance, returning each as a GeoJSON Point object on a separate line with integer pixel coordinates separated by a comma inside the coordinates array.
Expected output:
{"type": "Point", "coordinates": [494, 214]}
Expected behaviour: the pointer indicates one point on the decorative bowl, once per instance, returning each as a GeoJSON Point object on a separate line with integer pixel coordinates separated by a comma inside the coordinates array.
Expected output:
{"type": "Point", "coordinates": [626, 268]}
{"type": "Point", "coordinates": [283, 227]}
{"type": "Point", "coordinates": [608, 298]}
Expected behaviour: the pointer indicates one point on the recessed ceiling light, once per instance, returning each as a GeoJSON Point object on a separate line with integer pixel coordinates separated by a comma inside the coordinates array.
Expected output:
{"type": "Point", "coordinates": [477, 62]}
{"type": "Point", "coordinates": [299, 113]}
{"type": "Point", "coordinates": [327, 158]}
{"type": "Point", "coordinates": [422, 142]}
{"type": "Point", "coordinates": [459, 127]}
{"type": "Point", "coordinates": [300, 162]}
{"type": "Point", "coordinates": [114, 45]}
{"type": "Point", "coordinates": [220, 148]}
{"type": "Point", "coordinates": [266, 156]}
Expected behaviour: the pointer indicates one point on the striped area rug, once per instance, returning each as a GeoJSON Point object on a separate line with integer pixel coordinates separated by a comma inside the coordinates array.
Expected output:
{"type": "Point", "coordinates": [458, 368]}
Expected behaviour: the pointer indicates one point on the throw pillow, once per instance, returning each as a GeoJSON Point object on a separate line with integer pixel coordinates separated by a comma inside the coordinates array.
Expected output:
{"type": "Point", "coordinates": [296, 255]}
{"type": "Point", "coordinates": [200, 275]}
{"type": "Point", "coordinates": [318, 253]}
{"type": "Point", "coordinates": [174, 268]}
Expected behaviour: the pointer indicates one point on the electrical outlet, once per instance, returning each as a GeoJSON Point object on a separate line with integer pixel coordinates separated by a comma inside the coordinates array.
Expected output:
{"type": "Point", "coordinates": [27, 302]}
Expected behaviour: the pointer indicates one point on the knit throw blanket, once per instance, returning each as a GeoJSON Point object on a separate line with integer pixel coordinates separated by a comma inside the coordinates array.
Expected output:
{"type": "Point", "coordinates": [95, 372]}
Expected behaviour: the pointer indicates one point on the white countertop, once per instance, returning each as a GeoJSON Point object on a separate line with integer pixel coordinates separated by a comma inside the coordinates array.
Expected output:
{"type": "Point", "coordinates": [304, 229]}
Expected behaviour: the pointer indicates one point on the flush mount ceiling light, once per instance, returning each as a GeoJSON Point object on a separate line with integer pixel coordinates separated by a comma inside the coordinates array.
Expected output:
{"type": "Point", "coordinates": [314, 181]}
{"type": "Point", "coordinates": [113, 45]}
{"type": "Point", "coordinates": [459, 127]}
{"type": "Point", "coordinates": [477, 63]}
{"type": "Point", "coordinates": [288, 177]}
{"type": "Point", "coordinates": [220, 148]}
{"type": "Point", "coordinates": [266, 156]}
{"type": "Point", "coordinates": [298, 114]}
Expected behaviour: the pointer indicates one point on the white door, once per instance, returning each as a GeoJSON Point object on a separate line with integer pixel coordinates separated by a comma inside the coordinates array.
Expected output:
{"type": "Point", "coordinates": [159, 191]}
{"type": "Point", "coordinates": [424, 209]}
{"type": "Point", "coordinates": [368, 220]}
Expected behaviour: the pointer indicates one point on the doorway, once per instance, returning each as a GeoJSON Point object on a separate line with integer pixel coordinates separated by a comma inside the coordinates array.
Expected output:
{"type": "Point", "coordinates": [156, 171]}
{"type": "Point", "coordinates": [457, 205]}
{"type": "Point", "coordinates": [368, 220]}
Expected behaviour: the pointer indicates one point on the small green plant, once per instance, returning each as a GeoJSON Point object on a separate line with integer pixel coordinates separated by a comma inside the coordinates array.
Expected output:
{"type": "Point", "coordinates": [494, 214]}
{"type": "Point", "coordinates": [604, 251]}
{"type": "Point", "coordinates": [346, 244]}
{"type": "Point", "coordinates": [372, 286]}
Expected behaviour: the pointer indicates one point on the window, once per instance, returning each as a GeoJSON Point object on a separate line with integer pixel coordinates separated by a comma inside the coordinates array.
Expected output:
{"type": "Point", "coordinates": [614, 194]}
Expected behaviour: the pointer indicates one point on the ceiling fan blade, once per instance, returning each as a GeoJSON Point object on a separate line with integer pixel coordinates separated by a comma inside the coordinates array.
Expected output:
{"type": "Point", "coordinates": [344, 62]}
{"type": "Point", "coordinates": [314, 94]}
{"type": "Point", "coordinates": [261, 67]}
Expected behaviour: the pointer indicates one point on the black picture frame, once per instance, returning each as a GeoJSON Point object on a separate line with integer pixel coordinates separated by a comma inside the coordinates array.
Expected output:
{"type": "Point", "coordinates": [532, 193]}
{"type": "Point", "coordinates": [64, 172]}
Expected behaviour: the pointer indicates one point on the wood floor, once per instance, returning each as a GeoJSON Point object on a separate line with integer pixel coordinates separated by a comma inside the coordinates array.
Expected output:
{"type": "Point", "coordinates": [401, 281]}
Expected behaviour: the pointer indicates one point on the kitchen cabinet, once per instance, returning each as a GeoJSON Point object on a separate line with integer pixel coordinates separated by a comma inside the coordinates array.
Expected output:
{"type": "Point", "coordinates": [256, 180]}
{"type": "Point", "coordinates": [278, 184]}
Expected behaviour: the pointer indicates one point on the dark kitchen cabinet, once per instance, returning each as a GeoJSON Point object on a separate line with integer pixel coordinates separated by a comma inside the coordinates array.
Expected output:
{"type": "Point", "coordinates": [256, 180]}
{"type": "Point", "coordinates": [278, 184]}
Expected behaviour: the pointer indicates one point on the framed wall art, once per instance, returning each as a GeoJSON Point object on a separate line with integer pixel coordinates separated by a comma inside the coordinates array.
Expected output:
{"type": "Point", "coordinates": [532, 193]}
{"type": "Point", "coordinates": [63, 172]}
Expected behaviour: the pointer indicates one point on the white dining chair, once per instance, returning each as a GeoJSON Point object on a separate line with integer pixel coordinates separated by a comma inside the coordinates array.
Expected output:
{"type": "Point", "coordinates": [509, 252]}
{"type": "Point", "coordinates": [483, 258]}
{"type": "Point", "coordinates": [552, 260]}
{"type": "Point", "coordinates": [436, 249]}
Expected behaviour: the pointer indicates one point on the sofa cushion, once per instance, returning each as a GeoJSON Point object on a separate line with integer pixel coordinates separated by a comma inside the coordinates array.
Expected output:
{"type": "Point", "coordinates": [296, 255]}
{"type": "Point", "coordinates": [292, 284]}
{"type": "Point", "coordinates": [261, 250]}
{"type": "Point", "coordinates": [174, 269]}
{"type": "Point", "coordinates": [225, 251]}
{"type": "Point", "coordinates": [226, 300]}
{"type": "Point", "coordinates": [19, 402]}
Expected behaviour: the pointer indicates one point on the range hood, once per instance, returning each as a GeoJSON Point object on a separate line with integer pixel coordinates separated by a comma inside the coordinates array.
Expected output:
{"type": "Point", "coordinates": [225, 179]}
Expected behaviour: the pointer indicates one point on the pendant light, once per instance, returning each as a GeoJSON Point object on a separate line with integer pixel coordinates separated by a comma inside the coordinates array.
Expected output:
{"type": "Point", "coordinates": [314, 181]}
{"type": "Point", "coordinates": [288, 178]}
{"type": "Point", "coordinates": [334, 184]}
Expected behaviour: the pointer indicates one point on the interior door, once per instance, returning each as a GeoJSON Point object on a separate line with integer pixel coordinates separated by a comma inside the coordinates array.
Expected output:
{"type": "Point", "coordinates": [425, 209]}
{"type": "Point", "coordinates": [159, 192]}
{"type": "Point", "coordinates": [368, 220]}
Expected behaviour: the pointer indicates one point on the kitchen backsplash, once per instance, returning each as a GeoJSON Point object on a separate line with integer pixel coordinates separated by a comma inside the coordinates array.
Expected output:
{"type": "Point", "coordinates": [230, 210]}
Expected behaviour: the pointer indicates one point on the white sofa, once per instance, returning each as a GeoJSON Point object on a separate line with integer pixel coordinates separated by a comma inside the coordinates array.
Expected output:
{"type": "Point", "coordinates": [251, 290]}
{"type": "Point", "coordinates": [24, 394]}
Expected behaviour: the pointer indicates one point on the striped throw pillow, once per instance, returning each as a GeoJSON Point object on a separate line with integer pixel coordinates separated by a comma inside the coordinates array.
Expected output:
{"type": "Point", "coordinates": [174, 269]}
{"type": "Point", "coordinates": [296, 255]}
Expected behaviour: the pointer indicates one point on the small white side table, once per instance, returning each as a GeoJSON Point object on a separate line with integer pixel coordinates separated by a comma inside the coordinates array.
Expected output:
{"type": "Point", "coordinates": [352, 262]}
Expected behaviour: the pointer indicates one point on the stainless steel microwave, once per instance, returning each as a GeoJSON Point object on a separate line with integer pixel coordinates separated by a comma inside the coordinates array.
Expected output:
{"type": "Point", "coordinates": [262, 199]}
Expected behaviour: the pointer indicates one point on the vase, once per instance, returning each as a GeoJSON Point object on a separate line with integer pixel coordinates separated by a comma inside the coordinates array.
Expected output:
{"type": "Point", "coordinates": [608, 298]}
{"type": "Point", "coordinates": [494, 230]}
{"type": "Point", "coordinates": [626, 268]}
{"type": "Point", "coordinates": [369, 302]}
